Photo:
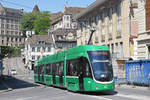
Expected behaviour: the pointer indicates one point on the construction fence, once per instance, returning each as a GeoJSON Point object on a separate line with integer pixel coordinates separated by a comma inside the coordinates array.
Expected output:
{"type": "Point", "coordinates": [132, 72]}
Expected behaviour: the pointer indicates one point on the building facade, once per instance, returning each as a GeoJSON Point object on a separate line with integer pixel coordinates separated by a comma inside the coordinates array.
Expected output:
{"type": "Point", "coordinates": [64, 38]}
{"type": "Point", "coordinates": [10, 35]}
{"type": "Point", "coordinates": [36, 47]}
{"type": "Point", "coordinates": [143, 40]}
{"type": "Point", "coordinates": [64, 20]}
{"type": "Point", "coordinates": [111, 22]}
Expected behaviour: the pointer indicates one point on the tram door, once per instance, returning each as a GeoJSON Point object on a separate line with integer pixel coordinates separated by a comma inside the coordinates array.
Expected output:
{"type": "Point", "coordinates": [54, 73]}
{"type": "Point", "coordinates": [61, 70]}
{"type": "Point", "coordinates": [39, 72]}
{"type": "Point", "coordinates": [81, 74]}
{"type": "Point", "coordinates": [42, 73]}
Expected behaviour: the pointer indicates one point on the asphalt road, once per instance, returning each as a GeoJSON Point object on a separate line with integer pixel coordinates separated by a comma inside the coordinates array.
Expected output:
{"type": "Point", "coordinates": [23, 88]}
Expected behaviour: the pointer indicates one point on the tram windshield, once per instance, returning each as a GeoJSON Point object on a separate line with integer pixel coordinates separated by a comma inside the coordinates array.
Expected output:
{"type": "Point", "coordinates": [101, 65]}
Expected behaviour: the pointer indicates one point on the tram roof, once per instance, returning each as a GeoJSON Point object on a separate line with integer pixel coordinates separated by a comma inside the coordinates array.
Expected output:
{"type": "Point", "coordinates": [72, 53]}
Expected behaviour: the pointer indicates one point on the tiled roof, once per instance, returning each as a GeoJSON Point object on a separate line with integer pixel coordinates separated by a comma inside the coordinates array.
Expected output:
{"type": "Point", "coordinates": [11, 10]}
{"type": "Point", "coordinates": [67, 10]}
{"type": "Point", "coordinates": [56, 16]}
{"type": "Point", "coordinates": [73, 10]}
{"type": "Point", "coordinates": [90, 8]}
{"type": "Point", "coordinates": [35, 38]}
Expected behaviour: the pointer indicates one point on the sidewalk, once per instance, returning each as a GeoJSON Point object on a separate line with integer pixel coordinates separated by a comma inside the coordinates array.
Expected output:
{"type": "Point", "coordinates": [133, 87]}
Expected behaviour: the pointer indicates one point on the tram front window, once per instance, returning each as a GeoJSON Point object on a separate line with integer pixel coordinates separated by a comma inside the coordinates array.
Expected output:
{"type": "Point", "coordinates": [101, 65]}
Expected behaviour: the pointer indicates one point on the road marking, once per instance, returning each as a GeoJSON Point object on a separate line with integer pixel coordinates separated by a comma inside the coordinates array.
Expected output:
{"type": "Point", "coordinates": [100, 97]}
{"type": "Point", "coordinates": [96, 97]}
{"type": "Point", "coordinates": [137, 97]}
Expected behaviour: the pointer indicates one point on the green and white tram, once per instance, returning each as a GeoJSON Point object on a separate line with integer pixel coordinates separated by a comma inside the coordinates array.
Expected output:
{"type": "Point", "coordinates": [82, 68]}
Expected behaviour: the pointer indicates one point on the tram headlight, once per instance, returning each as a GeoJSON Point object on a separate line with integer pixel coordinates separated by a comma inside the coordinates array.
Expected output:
{"type": "Point", "coordinates": [102, 75]}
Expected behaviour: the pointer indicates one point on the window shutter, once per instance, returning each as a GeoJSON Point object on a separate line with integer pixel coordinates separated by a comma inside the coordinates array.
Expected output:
{"type": "Point", "coordinates": [147, 15]}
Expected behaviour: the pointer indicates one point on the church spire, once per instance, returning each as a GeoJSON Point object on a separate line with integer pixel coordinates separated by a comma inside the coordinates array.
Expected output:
{"type": "Point", "coordinates": [36, 9]}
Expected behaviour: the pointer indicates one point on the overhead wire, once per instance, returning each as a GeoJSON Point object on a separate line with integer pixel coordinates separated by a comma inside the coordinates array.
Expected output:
{"type": "Point", "coordinates": [16, 4]}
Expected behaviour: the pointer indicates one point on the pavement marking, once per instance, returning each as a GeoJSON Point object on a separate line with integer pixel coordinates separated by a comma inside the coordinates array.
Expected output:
{"type": "Point", "coordinates": [91, 96]}
{"type": "Point", "coordinates": [100, 97]}
{"type": "Point", "coordinates": [137, 97]}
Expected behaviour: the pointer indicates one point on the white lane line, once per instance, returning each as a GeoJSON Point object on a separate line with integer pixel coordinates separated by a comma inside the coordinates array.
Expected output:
{"type": "Point", "coordinates": [96, 97]}
{"type": "Point", "coordinates": [137, 97]}
{"type": "Point", "coordinates": [100, 97]}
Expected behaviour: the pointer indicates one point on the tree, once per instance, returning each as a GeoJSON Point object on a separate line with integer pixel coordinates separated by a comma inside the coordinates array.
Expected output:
{"type": "Point", "coordinates": [41, 26]}
{"type": "Point", "coordinates": [39, 22]}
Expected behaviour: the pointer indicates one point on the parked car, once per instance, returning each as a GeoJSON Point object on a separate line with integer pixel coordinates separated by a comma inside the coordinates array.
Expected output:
{"type": "Point", "coordinates": [13, 72]}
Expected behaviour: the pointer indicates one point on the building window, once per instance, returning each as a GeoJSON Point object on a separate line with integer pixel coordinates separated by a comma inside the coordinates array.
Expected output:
{"type": "Point", "coordinates": [117, 51]}
{"type": "Point", "coordinates": [67, 18]}
{"type": "Point", "coordinates": [2, 20]}
{"type": "Point", "coordinates": [2, 25]}
{"type": "Point", "coordinates": [7, 26]}
{"type": "Point", "coordinates": [12, 26]}
{"type": "Point", "coordinates": [33, 49]}
{"type": "Point", "coordinates": [59, 37]}
{"type": "Point", "coordinates": [16, 39]}
{"type": "Point", "coordinates": [68, 25]}
{"type": "Point", "coordinates": [33, 57]}
{"type": "Point", "coordinates": [97, 31]}
{"type": "Point", "coordinates": [110, 23]}
{"type": "Point", "coordinates": [119, 21]}
{"type": "Point", "coordinates": [19, 39]}
{"type": "Point", "coordinates": [43, 49]}
{"type": "Point", "coordinates": [7, 20]}
{"type": "Point", "coordinates": [49, 49]}
{"type": "Point", "coordinates": [38, 57]}
{"type": "Point", "coordinates": [121, 50]}
{"type": "Point", "coordinates": [103, 26]}
{"type": "Point", "coordinates": [41, 42]}
{"type": "Point", "coordinates": [12, 39]}
{"type": "Point", "coordinates": [12, 20]}
{"type": "Point", "coordinates": [38, 49]}
{"type": "Point", "coordinates": [16, 27]}
{"type": "Point", "coordinates": [7, 39]}
{"type": "Point", "coordinates": [2, 32]}
{"type": "Point", "coordinates": [112, 48]}
{"type": "Point", "coordinates": [2, 42]}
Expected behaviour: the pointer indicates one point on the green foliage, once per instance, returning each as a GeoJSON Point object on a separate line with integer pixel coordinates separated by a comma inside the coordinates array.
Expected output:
{"type": "Point", "coordinates": [39, 22]}
{"type": "Point", "coordinates": [7, 51]}
{"type": "Point", "coordinates": [41, 26]}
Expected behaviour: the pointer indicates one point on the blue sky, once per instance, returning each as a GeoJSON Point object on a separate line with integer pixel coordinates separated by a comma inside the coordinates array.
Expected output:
{"type": "Point", "coordinates": [45, 5]}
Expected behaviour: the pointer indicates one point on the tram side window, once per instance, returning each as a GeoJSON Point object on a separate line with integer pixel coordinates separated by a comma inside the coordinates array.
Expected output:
{"type": "Point", "coordinates": [48, 69]}
{"type": "Point", "coordinates": [85, 66]}
{"type": "Point", "coordinates": [57, 69]}
{"type": "Point", "coordinates": [68, 68]}
{"type": "Point", "coordinates": [61, 69]}
{"type": "Point", "coordinates": [39, 70]}
{"type": "Point", "coordinates": [54, 69]}
{"type": "Point", "coordinates": [42, 69]}
{"type": "Point", "coordinates": [72, 67]}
